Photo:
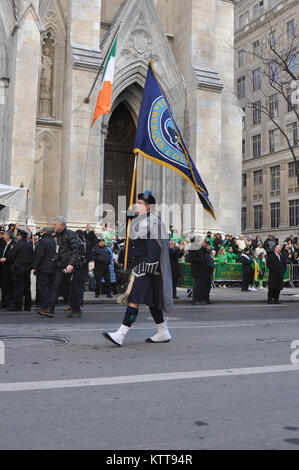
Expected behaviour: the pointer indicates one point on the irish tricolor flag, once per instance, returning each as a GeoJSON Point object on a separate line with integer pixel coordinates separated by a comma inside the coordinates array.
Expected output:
{"type": "Point", "coordinates": [105, 96]}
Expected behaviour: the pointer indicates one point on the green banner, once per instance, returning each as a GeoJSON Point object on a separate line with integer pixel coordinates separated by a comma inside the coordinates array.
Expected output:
{"type": "Point", "coordinates": [223, 272]}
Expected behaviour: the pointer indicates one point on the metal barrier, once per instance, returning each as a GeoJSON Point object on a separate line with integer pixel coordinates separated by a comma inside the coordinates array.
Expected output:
{"type": "Point", "coordinates": [294, 274]}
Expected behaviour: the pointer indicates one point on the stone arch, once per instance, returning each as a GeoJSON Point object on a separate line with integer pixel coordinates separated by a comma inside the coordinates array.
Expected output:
{"type": "Point", "coordinates": [46, 179]}
{"type": "Point", "coordinates": [131, 97]}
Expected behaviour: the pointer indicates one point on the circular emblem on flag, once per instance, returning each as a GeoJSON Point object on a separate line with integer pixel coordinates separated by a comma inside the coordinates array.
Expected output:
{"type": "Point", "coordinates": [163, 135]}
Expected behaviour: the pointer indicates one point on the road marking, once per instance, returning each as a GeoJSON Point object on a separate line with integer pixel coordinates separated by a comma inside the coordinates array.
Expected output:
{"type": "Point", "coordinates": [133, 379]}
{"type": "Point", "coordinates": [195, 327]}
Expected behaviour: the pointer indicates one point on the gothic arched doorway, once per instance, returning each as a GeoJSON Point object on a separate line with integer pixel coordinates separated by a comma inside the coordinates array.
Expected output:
{"type": "Point", "coordinates": [118, 156]}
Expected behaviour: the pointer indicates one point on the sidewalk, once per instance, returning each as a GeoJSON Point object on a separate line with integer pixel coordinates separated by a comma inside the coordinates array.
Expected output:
{"type": "Point", "coordinates": [218, 295]}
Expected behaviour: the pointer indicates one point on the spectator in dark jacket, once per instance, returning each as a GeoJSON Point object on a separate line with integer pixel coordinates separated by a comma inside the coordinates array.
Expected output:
{"type": "Point", "coordinates": [90, 236]}
{"type": "Point", "coordinates": [20, 258]}
{"type": "Point", "coordinates": [202, 267]}
{"type": "Point", "coordinates": [102, 259]}
{"type": "Point", "coordinates": [247, 269]}
{"type": "Point", "coordinates": [270, 243]}
{"type": "Point", "coordinates": [44, 266]}
{"type": "Point", "coordinates": [6, 273]}
{"type": "Point", "coordinates": [277, 266]}
{"type": "Point", "coordinates": [174, 255]}
{"type": "Point", "coordinates": [67, 263]}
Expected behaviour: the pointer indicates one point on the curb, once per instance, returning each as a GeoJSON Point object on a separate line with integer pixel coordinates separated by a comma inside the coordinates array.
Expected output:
{"type": "Point", "coordinates": [186, 302]}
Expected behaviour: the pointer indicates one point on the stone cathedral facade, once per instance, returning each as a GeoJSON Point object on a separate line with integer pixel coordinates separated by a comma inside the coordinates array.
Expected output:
{"type": "Point", "coordinates": [50, 52]}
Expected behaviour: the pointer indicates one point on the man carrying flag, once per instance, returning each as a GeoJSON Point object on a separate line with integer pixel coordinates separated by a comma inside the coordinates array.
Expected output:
{"type": "Point", "coordinates": [103, 105]}
{"type": "Point", "coordinates": [151, 278]}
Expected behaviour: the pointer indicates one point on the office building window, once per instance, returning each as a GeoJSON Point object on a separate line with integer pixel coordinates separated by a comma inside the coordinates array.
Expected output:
{"type": "Point", "coordinates": [292, 131]}
{"type": "Point", "coordinates": [291, 29]}
{"type": "Point", "coordinates": [241, 87]}
{"type": "Point", "coordinates": [243, 149]}
{"type": "Point", "coordinates": [274, 105]}
{"type": "Point", "coordinates": [272, 38]}
{"type": "Point", "coordinates": [275, 215]}
{"type": "Point", "coordinates": [273, 3]}
{"type": "Point", "coordinates": [294, 213]}
{"type": "Point", "coordinates": [241, 58]}
{"type": "Point", "coordinates": [273, 140]}
{"type": "Point", "coordinates": [257, 145]}
{"type": "Point", "coordinates": [258, 217]}
{"type": "Point", "coordinates": [258, 9]}
{"type": "Point", "coordinates": [292, 99]}
{"type": "Point", "coordinates": [257, 79]}
{"type": "Point", "coordinates": [256, 48]}
{"type": "Point", "coordinates": [244, 19]}
{"type": "Point", "coordinates": [257, 180]}
{"type": "Point", "coordinates": [292, 172]}
{"type": "Point", "coordinates": [292, 62]}
{"type": "Point", "coordinates": [244, 218]}
{"type": "Point", "coordinates": [273, 72]}
{"type": "Point", "coordinates": [256, 113]}
{"type": "Point", "coordinates": [275, 178]}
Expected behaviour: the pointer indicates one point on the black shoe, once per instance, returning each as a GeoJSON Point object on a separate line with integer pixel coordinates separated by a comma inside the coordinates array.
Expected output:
{"type": "Point", "coordinates": [277, 303]}
{"type": "Point", "coordinates": [203, 303]}
{"type": "Point", "coordinates": [270, 302]}
{"type": "Point", "coordinates": [210, 302]}
{"type": "Point", "coordinates": [74, 314]}
{"type": "Point", "coordinates": [195, 303]}
{"type": "Point", "coordinates": [14, 309]}
{"type": "Point", "coordinates": [46, 313]}
{"type": "Point", "coordinates": [110, 296]}
{"type": "Point", "coordinates": [97, 296]}
{"type": "Point", "coordinates": [27, 309]}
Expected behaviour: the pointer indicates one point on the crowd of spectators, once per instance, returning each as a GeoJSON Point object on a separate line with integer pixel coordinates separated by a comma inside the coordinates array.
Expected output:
{"type": "Point", "coordinates": [104, 256]}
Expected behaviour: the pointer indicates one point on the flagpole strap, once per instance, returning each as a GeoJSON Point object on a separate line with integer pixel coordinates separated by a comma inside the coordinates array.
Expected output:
{"type": "Point", "coordinates": [131, 203]}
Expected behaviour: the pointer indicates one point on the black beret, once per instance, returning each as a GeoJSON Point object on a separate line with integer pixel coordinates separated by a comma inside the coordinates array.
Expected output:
{"type": "Point", "coordinates": [147, 197]}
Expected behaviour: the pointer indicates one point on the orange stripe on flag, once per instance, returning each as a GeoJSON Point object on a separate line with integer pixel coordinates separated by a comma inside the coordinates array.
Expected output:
{"type": "Point", "coordinates": [104, 101]}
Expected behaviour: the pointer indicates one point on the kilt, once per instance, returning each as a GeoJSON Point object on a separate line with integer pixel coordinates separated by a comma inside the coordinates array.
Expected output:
{"type": "Point", "coordinates": [147, 290]}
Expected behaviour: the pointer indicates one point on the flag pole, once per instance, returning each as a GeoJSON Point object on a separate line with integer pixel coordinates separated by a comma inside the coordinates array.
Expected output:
{"type": "Point", "coordinates": [131, 203]}
{"type": "Point", "coordinates": [102, 65]}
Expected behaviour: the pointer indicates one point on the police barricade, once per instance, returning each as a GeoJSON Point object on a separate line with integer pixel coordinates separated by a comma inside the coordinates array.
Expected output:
{"type": "Point", "coordinates": [229, 272]}
{"type": "Point", "coordinates": [295, 274]}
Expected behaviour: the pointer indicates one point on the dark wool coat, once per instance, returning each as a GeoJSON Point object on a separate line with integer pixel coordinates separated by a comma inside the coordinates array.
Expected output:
{"type": "Point", "coordinates": [276, 271]}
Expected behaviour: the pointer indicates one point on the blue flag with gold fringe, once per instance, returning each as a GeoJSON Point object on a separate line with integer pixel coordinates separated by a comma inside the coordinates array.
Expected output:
{"type": "Point", "coordinates": [159, 138]}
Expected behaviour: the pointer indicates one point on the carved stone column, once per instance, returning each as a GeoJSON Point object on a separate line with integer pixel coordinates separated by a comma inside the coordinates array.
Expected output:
{"type": "Point", "coordinates": [23, 96]}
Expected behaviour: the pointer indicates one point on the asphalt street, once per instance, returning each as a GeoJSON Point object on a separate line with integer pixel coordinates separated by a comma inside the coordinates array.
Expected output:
{"type": "Point", "coordinates": [226, 380]}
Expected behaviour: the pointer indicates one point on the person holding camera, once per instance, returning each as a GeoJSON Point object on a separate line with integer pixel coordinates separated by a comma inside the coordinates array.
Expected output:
{"type": "Point", "coordinates": [67, 263]}
{"type": "Point", "coordinates": [102, 259]}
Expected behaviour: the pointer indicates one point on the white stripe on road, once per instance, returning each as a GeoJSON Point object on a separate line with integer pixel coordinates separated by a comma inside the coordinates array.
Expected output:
{"type": "Point", "coordinates": [133, 379]}
{"type": "Point", "coordinates": [195, 327]}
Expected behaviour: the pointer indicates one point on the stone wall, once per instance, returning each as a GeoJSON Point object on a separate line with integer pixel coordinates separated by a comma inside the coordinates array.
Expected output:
{"type": "Point", "coordinates": [55, 50]}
